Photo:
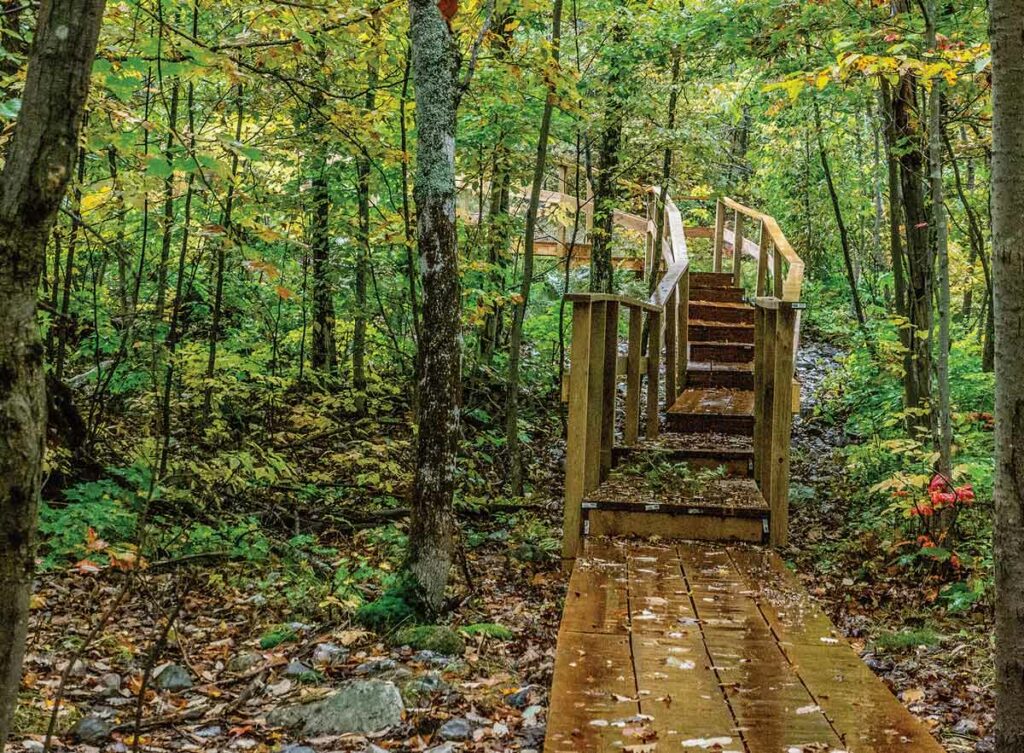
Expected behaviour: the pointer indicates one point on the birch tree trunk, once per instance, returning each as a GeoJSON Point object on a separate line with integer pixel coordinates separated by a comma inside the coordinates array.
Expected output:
{"type": "Point", "coordinates": [435, 63]}
{"type": "Point", "coordinates": [39, 164]}
{"type": "Point", "coordinates": [1007, 35]}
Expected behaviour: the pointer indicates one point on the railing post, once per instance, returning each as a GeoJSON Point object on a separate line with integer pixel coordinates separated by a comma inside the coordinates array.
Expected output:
{"type": "Point", "coordinates": [767, 362]}
{"type": "Point", "coordinates": [611, 359]}
{"type": "Point", "coordinates": [683, 329]}
{"type": "Point", "coordinates": [595, 397]}
{"type": "Point", "coordinates": [759, 386]}
{"type": "Point", "coordinates": [654, 331]}
{"type": "Point", "coordinates": [576, 441]}
{"type": "Point", "coordinates": [631, 430]}
{"type": "Point", "coordinates": [671, 325]}
{"type": "Point", "coordinates": [737, 246]}
{"type": "Point", "coordinates": [762, 260]}
{"type": "Point", "coordinates": [782, 424]}
{"type": "Point", "coordinates": [719, 234]}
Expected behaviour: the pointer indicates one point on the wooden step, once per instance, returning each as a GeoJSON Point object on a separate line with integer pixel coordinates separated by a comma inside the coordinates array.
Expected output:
{"type": "Point", "coordinates": [722, 311]}
{"type": "Point", "coordinates": [733, 452]}
{"type": "Point", "coordinates": [713, 409]}
{"type": "Point", "coordinates": [733, 295]}
{"type": "Point", "coordinates": [721, 352]}
{"type": "Point", "coordinates": [736, 376]}
{"type": "Point", "coordinates": [711, 279]}
{"type": "Point", "coordinates": [720, 332]}
{"type": "Point", "coordinates": [725, 509]}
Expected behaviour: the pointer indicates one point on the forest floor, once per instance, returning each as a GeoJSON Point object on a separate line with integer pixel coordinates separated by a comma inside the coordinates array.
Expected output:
{"type": "Point", "coordinates": [242, 654]}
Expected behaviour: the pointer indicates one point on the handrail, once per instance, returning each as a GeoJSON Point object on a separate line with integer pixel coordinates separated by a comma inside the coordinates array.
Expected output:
{"type": "Point", "coordinates": [790, 287]}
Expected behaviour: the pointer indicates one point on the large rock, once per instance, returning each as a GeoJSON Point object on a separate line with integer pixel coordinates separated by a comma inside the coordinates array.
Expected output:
{"type": "Point", "coordinates": [364, 706]}
{"type": "Point", "coordinates": [173, 677]}
{"type": "Point", "coordinates": [91, 730]}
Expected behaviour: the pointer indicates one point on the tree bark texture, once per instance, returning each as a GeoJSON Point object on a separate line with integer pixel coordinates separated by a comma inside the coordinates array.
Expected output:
{"type": "Point", "coordinates": [435, 63]}
{"type": "Point", "coordinates": [1007, 35]}
{"type": "Point", "coordinates": [39, 164]}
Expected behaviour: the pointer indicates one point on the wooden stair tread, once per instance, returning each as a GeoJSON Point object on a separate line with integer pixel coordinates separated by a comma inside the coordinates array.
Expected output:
{"type": "Point", "coordinates": [732, 496]}
{"type": "Point", "coordinates": [719, 366]}
{"type": "Point", "coordinates": [715, 401]}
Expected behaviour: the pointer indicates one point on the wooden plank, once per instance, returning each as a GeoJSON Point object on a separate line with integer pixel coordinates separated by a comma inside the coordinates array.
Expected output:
{"type": "Point", "coordinates": [671, 343]}
{"type": "Point", "coordinates": [576, 442]}
{"type": "Point", "coordinates": [631, 429]}
{"type": "Point", "coordinates": [611, 352]}
{"type": "Point", "coordinates": [782, 425]}
{"type": "Point", "coordinates": [653, 374]}
{"type": "Point", "coordinates": [595, 398]}
{"type": "Point", "coordinates": [675, 526]}
{"type": "Point", "coordinates": [719, 234]}
{"type": "Point", "coordinates": [596, 600]}
{"type": "Point", "coordinates": [593, 690]}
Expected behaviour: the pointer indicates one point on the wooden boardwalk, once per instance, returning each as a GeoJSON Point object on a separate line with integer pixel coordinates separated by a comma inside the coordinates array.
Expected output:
{"type": "Point", "coordinates": [681, 630]}
{"type": "Point", "coordinates": [691, 646]}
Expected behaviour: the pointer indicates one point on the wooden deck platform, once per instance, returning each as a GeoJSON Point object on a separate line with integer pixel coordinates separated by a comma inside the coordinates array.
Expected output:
{"type": "Point", "coordinates": [687, 646]}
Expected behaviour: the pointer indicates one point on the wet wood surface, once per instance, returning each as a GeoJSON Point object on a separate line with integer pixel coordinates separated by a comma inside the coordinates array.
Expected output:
{"type": "Point", "coordinates": [696, 646]}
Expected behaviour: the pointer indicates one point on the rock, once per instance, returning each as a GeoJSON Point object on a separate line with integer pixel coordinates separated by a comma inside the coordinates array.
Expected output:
{"type": "Point", "coordinates": [967, 727]}
{"type": "Point", "coordinates": [211, 731]}
{"type": "Point", "coordinates": [376, 666]}
{"type": "Point", "coordinates": [329, 654]}
{"type": "Point", "coordinates": [986, 745]}
{"type": "Point", "coordinates": [520, 699]}
{"type": "Point", "coordinates": [109, 684]}
{"type": "Point", "coordinates": [91, 730]}
{"type": "Point", "coordinates": [397, 675]}
{"type": "Point", "coordinates": [432, 658]}
{"type": "Point", "coordinates": [296, 748]}
{"type": "Point", "coordinates": [418, 691]}
{"type": "Point", "coordinates": [458, 728]}
{"type": "Point", "coordinates": [32, 746]}
{"type": "Point", "coordinates": [442, 748]}
{"type": "Point", "coordinates": [78, 669]}
{"type": "Point", "coordinates": [436, 638]}
{"type": "Point", "coordinates": [243, 662]}
{"type": "Point", "coordinates": [533, 737]}
{"type": "Point", "coordinates": [173, 677]}
{"type": "Point", "coordinates": [364, 706]}
{"type": "Point", "coordinates": [296, 668]}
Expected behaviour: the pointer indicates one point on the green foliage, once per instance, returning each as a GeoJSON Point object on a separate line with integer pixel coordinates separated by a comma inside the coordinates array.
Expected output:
{"type": "Point", "coordinates": [907, 639]}
{"type": "Point", "coordinates": [397, 606]}
{"type": "Point", "coordinates": [489, 630]}
{"type": "Point", "coordinates": [442, 640]}
{"type": "Point", "coordinates": [275, 637]}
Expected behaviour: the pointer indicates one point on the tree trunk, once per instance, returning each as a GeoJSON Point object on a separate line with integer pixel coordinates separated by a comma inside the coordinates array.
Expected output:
{"type": "Point", "coordinates": [1007, 35]}
{"type": "Point", "coordinates": [168, 221]}
{"type": "Point", "coordinates": [515, 349]}
{"type": "Point", "coordinates": [363, 255]}
{"type": "Point", "coordinates": [844, 236]}
{"type": "Point", "coordinates": [432, 524]}
{"type": "Point", "coordinates": [40, 160]}
{"type": "Point", "coordinates": [64, 320]}
{"type": "Point", "coordinates": [943, 419]}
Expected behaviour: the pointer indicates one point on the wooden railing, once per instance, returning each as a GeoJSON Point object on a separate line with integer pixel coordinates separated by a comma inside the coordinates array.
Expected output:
{"type": "Point", "coordinates": [594, 359]}
{"type": "Point", "coordinates": [780, 273]}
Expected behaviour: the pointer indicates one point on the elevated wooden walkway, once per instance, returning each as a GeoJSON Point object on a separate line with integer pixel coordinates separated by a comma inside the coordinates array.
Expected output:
{"type": "Point", "coordinates": [682, 630]}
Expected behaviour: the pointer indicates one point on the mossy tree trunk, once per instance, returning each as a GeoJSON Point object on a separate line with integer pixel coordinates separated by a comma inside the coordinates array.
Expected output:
{"type": "Point", "coordinates": [39, 164]}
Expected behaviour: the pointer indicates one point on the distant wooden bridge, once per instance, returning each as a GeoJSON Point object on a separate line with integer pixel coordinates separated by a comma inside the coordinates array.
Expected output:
{"type": "Point", "coordinates": [682, 627]}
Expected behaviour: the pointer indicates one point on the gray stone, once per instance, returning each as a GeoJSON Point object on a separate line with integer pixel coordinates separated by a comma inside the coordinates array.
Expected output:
{"type": "Point", "coordinates": [211, 731]}
{"type": "Point", "coordinates": [91, 730]}
{"type": "Point", "coordinates": [173, 677]}
{"type": "Point", "coordinates": [364, 706]}
{"type": "Point", "coordinates": [376, 666]}
{"type": "Point", "coordinates": [244, 662]}
{"type": "Point", "coordinates": [442, 748]}
{"type": "Point", "coordinates": [397, 675]}
{"type": "Point", "coordinates": [432, 658]}
{"type": "Point", "coordinates": [966, 727]}
{"type": "Point", "coordinates": [78, 669]}
{"type": "Point", "coordinates": [520, 699]}
{"type": "Point", "coordinates": [458, 728]}
{"type": "Point", "coordinates": [296, 748]}
{"type": "Point", "coordinates": [422, 688]}
{"type": "Point", "coordinates": [329, 654]}
{"type": "Point", "coordinates": [296, 668]}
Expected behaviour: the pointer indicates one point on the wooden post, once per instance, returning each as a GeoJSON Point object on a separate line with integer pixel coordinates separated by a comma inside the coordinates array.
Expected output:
{"type": "Point", "coordinates": [631, 431]}
{"type": "Point", "coordinates": [762, 260]}
{"type": "Point", "coordinates": [653, 373]}
{"type": "Point", "coordinates": [595, 398]}
{"type": "Point", "coordinates": [764, 473]}
{"type": "Point", "coordinates": [759, 404]}
{"type": "Point", "coordinates": [576, 441]}
{"type": "Point", "coordinates": [719, 234]}
{"type": "Point", "coordinates": [737, 247]}
{"type": "Point", "coordinates": [611, 358]}
{"type": "Point", "coordinates": [777, 274]}
{"type": "Point", "coordinates": [683, 330]}
{"type": "Point", "coordinates": [671, 323]}
{"type": "Point", "coordinates": [782, 424]}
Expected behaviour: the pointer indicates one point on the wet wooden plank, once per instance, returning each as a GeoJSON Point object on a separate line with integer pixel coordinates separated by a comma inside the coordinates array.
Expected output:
{"type": "Point", "coordinates": [596, 600]}
{"type": "Point", "coordinates": [659, 601]}
{"type": "Point", "coordinates": [676, 526]}
{"type": "Point", "coordinates": [715, 401]}
{"type": "Point", "coordinates": [593, 694]}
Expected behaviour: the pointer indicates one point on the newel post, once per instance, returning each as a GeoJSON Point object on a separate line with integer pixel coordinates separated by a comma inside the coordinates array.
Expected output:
{"type": "Point", "coordinates": [719, 234]}
{"type": "Point", "coordinates": [631, 429]}
{"type": "Point", "coordinates": [579, 422]}
{"type": "Point", "coordinates": [737, 246]}
{"type": "Point", "coordinates": [654, 321]}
